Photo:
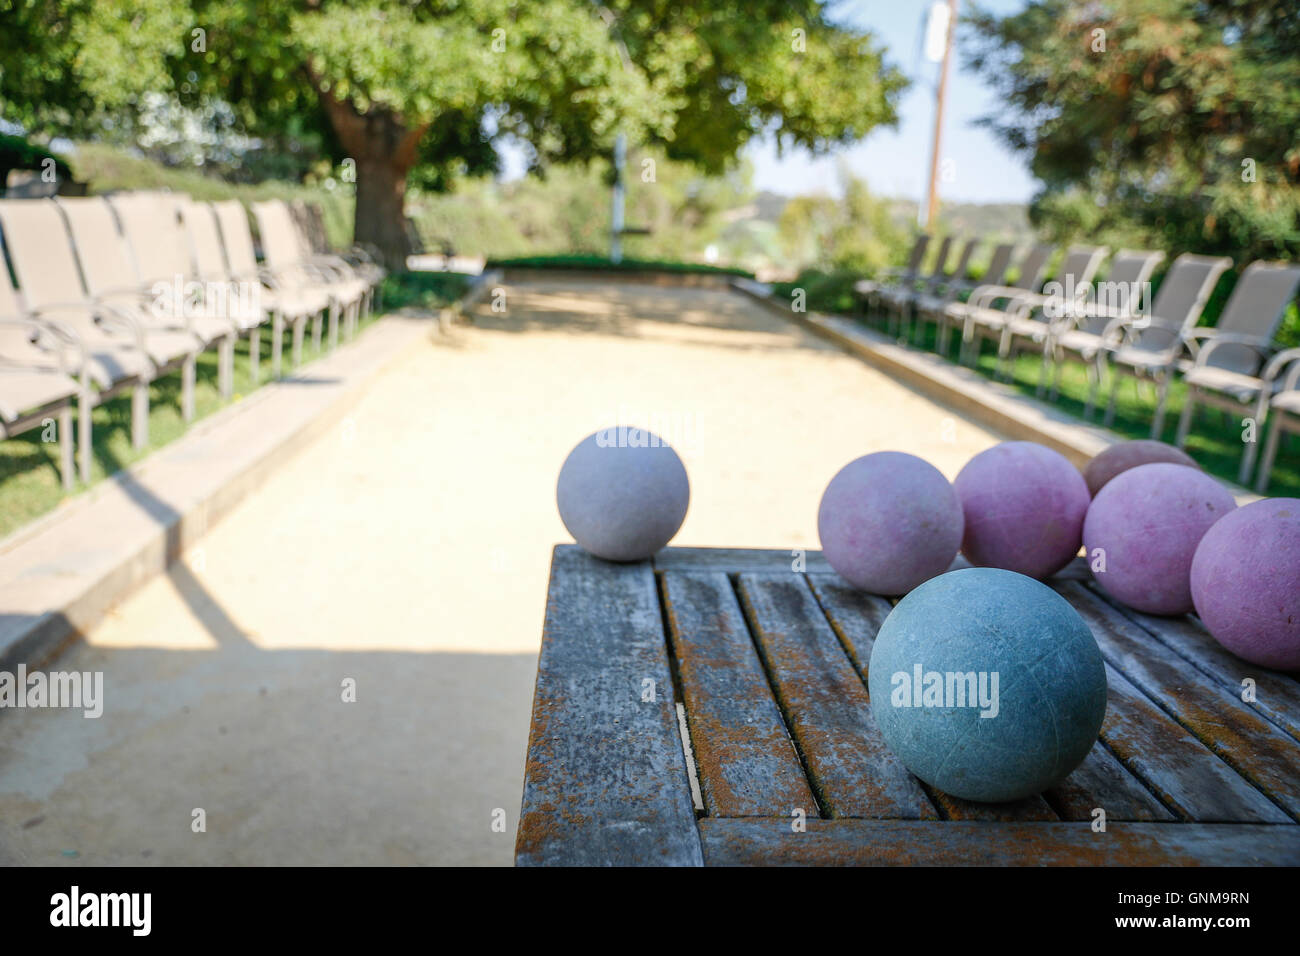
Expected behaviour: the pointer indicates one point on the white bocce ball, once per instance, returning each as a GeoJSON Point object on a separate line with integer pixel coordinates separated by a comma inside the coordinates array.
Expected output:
{"type": "Point", "coordinates": [623, 493]}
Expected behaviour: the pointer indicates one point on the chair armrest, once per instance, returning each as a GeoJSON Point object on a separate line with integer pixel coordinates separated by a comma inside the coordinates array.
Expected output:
{"type": "Point", "coordinates": [1279, 362]}
{"type": "Point", "coordinates": [1123, 327]}
{"type": "Point", "coordinates": [984, 295]}
{"type": "Point", "coordinates": [65, 341]}
{"type": "Point", "coordinates": [1213, 339]}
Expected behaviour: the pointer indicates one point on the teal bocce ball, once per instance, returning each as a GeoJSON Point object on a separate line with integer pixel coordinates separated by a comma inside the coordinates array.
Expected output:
{"type": "Point", "coordinates": [987, 685]}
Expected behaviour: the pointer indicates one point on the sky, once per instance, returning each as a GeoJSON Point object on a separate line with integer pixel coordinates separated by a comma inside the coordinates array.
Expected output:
{"type": "Point", "coordinates": [896, 162]}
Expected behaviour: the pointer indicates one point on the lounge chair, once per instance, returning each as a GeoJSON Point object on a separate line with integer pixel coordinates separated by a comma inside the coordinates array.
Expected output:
{"type": "Point", "coordinates": [362, 260]}
{"type": "Point", "coordinates": [123, 347]}
{"type": "Point", "coordinates": [897, 300]}
{"type": "Point", "coordinates": [870, 290]}
{"type": "Point", "coordinates": [933, 305]}
{"type": "Point", "coordinates": [931, 289]}
{"type": "Point", "coordinates": [286, 302]}
{"type": "Point", "coordinates": [118, 272]}
{"type": "Point", "coordinates": [979, 315]}
{"type": "Point", "coordinates": [1149, 346]}
{"type": "Point", "coordinates": [239, 302]}
{"type": "Point", "coordinates": [1080, 331]}
{"type": "Point", "coordinates": [1226, 370]}
{"type": "Point", "coordinates": [1029, 323]}
{"type": "Point", "coordinates": [43, 371]}
{"type": "Point", "coordinates": [1282, 408]}
{"type": "Point", "coordinates": [287, 260]}
{"type": "Point", "coordinates": [150, 225]}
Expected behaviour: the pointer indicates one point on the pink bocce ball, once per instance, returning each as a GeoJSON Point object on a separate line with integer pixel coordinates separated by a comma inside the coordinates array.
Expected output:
{"type": "Point", "coordinates": [1246, 582]}
{"type": "Point", "coordinates": [888, 522]}
{"type": "Point", "coordinates": [1122, 456]}
{"type": "Point", "coordinates": [1143, 529]}
{"type": "Point", "coordinates": [1024, 506]}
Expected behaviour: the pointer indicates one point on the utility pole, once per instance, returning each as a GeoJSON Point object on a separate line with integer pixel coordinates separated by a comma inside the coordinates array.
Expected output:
{"type": "Point", "coordinates": [620, 191]}
{"type": "Point", "coordinates": [932, 206]}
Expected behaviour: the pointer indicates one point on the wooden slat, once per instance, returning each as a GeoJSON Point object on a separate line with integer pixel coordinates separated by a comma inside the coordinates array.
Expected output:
{"type": "Point", "coordinates": [855, 616]}
{"type": "Point", "coordinates": [1101, 781]}
{"type": "Point", "coordinates": [1076, 570]}
{"type": "Point", "coordinates": [1184, 773]}
{"type": "Point", "coordinates": [605, 780]}
{"type": "Point", "coordinates": [1255, 747]}
{"type": "Point", "coordinates": [745, 759]}
{"type": "Point", "coordinates": [735, 560]}
{"type": "Point", "coordinates": [826, 705]}
{"type": "Point", "coordinates": [1277, 695]}
{"type": "Point", "coordinates": [1022, 811]}
{"type": "Point", "coordinates": [756, 842]}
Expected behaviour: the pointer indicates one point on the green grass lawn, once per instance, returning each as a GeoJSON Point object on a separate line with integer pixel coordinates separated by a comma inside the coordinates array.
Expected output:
{"type": "Point", "coordinates": [29, 468]}
{"type": "Point", "coordinates": [1215, 439]}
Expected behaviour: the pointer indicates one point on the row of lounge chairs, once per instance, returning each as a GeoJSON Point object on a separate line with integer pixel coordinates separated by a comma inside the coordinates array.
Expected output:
{"type": "Point", "coordinates": [108, 294]}
{"type": "Point", "coordinates": [1114, 327]}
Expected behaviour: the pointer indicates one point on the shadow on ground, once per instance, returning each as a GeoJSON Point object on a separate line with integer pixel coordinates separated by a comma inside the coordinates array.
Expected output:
{"type": "Point", "coordinates": [285, 770]}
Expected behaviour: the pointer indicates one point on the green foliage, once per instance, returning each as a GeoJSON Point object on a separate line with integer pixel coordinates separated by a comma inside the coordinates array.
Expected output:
{"type": "Point", "coordinates": [68, 65]}
{"type": "Point", "coordinates": [1179, 134]}
{"type": "Point", "coordinates": [567, 211]}
{"type": "Point", "coordinates": [422, 290]}
{"type": "Point", "coordinates": [857, 233]}
{"type": "Point", "coordinates": [17, 153]}
{"type": "Point", "coordinates": [585, 262]}
{"type": "Point", "coordinates": [699, 82]}
{"type": "Point", "coordinates": [823, 291]}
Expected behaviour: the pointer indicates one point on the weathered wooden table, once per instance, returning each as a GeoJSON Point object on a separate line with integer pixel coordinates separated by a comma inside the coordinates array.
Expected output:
{"type": "Point", "coordinates": [762, 670]}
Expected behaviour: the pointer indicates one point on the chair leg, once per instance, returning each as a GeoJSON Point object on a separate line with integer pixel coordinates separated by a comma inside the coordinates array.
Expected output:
{"type": "Point", "coordinates": [1162, 396]}
{"type": "Point", "coordinates": [1185, 419]}
{"type": "Point", "coordinates": [188, 368]}
{"type": "Point", "coordinates": [1248, 454]}
{"type": "Point", "coordinates": [140, 414]}
{"type": "Point", "coordinates": [226, 366]}
{"type": "Point", "coordinates": [970, 346]}
{"type": "Point", "coordinates": [1270, 453]}
{"type": "Point", "coordinates": [1109, 418]}
{"type": "Point", "coordinates": [299, 327]}
{"type": "Point", "coordinates": [84, 406]}
{"type": "Point", "coordinates": [277, 342]}
{"type": "Point", "coordinates": [334, 327]}
{"type": "Point", "coordinates": [316, 326]}
{"type": "Point", "coordinates": [67, 457]}
{"type": "Point", "coordinates": [1003, 367]}
{"type": "Point", "coordinates": [254, 347]}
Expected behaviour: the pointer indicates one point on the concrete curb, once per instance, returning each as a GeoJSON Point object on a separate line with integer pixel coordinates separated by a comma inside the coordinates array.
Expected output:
{"type": "Point", "coordinates": [993, 404]}
{"type": "Point", "coordinates": [62, 574]}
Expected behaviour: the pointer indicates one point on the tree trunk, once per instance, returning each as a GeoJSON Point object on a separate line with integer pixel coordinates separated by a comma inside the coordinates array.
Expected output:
{"type": "Point", "coordinates": [384, 150]}
{"type": "Point", "coordinates": [380, 212]}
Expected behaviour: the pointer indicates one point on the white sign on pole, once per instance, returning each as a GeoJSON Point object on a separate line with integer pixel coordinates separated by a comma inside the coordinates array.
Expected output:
{"type": "Point", "coordinates": [936, 32]}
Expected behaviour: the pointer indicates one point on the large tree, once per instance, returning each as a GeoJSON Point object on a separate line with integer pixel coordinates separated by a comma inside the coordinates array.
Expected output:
{"type": "Point", "coordinates": [1170, 122]}
{"type": "Point", "coordinates": [419, 90]}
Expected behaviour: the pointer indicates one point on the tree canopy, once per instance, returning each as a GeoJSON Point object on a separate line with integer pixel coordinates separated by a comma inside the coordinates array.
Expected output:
{"type": "Point", "coordinates": [420, 91]}
{"type": "Point", "coordinates": [1169, 122]}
